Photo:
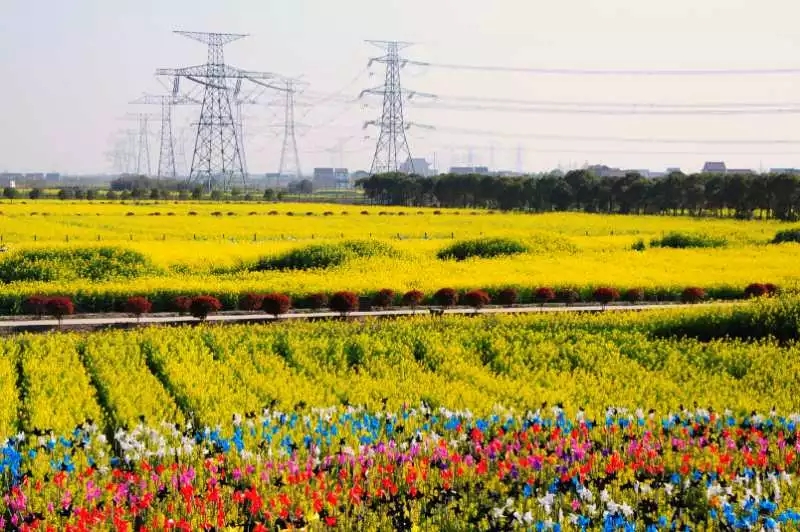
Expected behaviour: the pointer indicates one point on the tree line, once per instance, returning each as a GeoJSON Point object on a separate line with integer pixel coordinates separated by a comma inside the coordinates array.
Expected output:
{"type": "Point", "coordinates": [738, 195]}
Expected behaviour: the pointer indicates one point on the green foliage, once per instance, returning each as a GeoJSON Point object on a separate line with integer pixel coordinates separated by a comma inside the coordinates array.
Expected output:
{"type": "Point", "coordinates": [639, 245]}
{"type": "Point", "coordinates": [64, 264]}
{"type": "Point", "coordinates": [484, 248]}
{"type": "Point", "coordinates": [777, 318]}
{"type": "Point", "coordinates": [688, 240]}
{"type": "Point", "coordinates": [320, 256]}
{"type": "Point", "coordinates": [789, 235]}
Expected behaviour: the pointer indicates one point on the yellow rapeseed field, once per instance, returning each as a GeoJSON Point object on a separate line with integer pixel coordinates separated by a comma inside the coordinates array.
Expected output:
{"type": "Point", "coordinates": [192, 242]}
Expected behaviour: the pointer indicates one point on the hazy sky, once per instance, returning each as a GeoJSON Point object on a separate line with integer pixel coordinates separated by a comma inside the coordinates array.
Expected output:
{"type": "Point", "coordinates": [68, 69]}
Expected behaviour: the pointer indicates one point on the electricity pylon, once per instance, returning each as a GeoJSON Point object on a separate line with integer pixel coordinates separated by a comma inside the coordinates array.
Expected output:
{"type": "Point", "coordinates": [218, 159]}
{"type": "Point", "coordinates": [166, 152]}
{"type": "Point", "coordinates": [289, 137]}
{"type": "Point", "coordinates": [391, 150]}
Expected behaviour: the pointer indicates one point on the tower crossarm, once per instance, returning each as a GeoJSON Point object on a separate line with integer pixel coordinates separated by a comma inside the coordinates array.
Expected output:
{"type": "Point", "coordinates": [214, 39]}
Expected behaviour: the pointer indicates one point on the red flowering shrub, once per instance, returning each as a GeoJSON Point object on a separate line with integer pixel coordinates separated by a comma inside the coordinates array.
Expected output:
{"type": "Point", "coordinates": [276, 304]}
{"type": "Point", "coordinates": [58, 307]}
{"type": "Point", "coordinates": [568, 296]}
{"type": "Point", "coordinates": [507, 297]}
{"type": "Point", "coordinates": [202, 306]}
{"type": "Point", "coordinates": [413, 298]}
{"type": "Point", "coordinates": [477, 299]}
{"type": "Point", "coordinates": [755, 290]}
{"type": "Point", "coordinates": [317, 301]}
{"type": "Point", "coordinates": [446, 297]}
{"type": "Point", "coordinates": [772, 290]}
{"type": "Point", "coordinates": [182, 304]}
{"type": "Point", "coordinates": [138, 306]}
{"type": "Point", "coordinates": [634, 295]}
{"type": "Point", "coordinates": [605, 295]}
{"type": "Point", "coordinates": [693, 294]}
{"type": "Point", "coordinates": [383, 299]}
{"type": "Point", "coordinates": [543, 295]}
{"type": "Point", "coordinates": [250, 302]}
{"type": "Point", "coordinates": [35, 305]}
{"type": "Point", "coordinates": [343, 302]}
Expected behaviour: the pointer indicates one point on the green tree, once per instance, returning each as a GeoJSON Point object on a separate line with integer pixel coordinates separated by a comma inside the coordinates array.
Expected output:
{"type": "Point", "coordinates": [35, 193]}
{"type": "Point", "coordinates": [197, 193]}
{"type": "Point", "coordinates": [236, 192]}
{"type": "Point", "coordinates": [216, 195]}
{"type": "Point", "coordinates": [10, 193]}
{"type": "Point", "coordinates": [111, 195]}
{"type": "Point", "coordinates": [91, 194]}
{"type": "Point", "coordinates": [155, 194]}
{"type": "Point", "coordinates": [66, 193]}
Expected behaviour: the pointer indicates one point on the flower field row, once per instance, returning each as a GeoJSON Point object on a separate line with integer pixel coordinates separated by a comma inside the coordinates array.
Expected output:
{"type": "Point", "coordinates": [419, 468]}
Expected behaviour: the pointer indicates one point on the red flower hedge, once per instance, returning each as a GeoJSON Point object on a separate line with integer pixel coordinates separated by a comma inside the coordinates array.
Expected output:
{"type": "Point", "coordinates": [446, 297]}
{"type": "Point", "coordinates": [317, 301]}
{"type": "Point", "coordinates": [605, 295]}
{"type": "Point", "coordinates": [477, 299]}
{"type": "Point", "coordinates": [544, 294]}
{"type": "Point", "coordinates": [693, 294]}
{"type": "Point", "coordinates": [568, 296]}
{"type": "Point", "coordinates": [634, 295]}
{"type": "Point", "coordinates": [138, 306]}
{"type": "Point", "coordinates": [383, 299]}
{"type": "Point", "coordinates": [35, 305]}
{"type": "Point", "coordinates": [755, 290]}
{"type": "Point", "coordinates": [413, 298]}
{"type": "Point", "coordinates": [182, 304]}
{"type": "Point", "coordinates": [250, 302]}
{"type": "Point", "coordinates": [202, 306]}
{"type": "Point", "coordinates": [276, 304]}
{"type": "Point", "coordinates": [58, 307]}
{"type": "Point", "coordinates": [772, 290]}
{"type": "Point", "coordinates": [343, 302]}
{"type": "Point", "coordinates": [507, 297]}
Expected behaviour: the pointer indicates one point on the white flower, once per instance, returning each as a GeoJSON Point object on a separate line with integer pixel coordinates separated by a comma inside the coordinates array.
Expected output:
{"type": "Point", "coordinates": [627, 511]}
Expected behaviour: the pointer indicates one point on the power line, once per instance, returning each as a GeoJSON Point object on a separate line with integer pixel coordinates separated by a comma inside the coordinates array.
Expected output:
{"type": "Point", "coordinates": [591, 138]}
{"type": "Point", "coordinates": [647, 105]}
{"type": "Point", "coordinates": [611, 112]}
{"type": "Point", "coordinates": [614, 72]}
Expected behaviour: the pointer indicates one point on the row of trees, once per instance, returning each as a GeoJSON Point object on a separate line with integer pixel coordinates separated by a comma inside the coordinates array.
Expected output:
{"type": "Point", "coordinates": [739, 195]}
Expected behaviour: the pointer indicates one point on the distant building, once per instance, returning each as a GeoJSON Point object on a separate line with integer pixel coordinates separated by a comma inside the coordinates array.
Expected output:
{"type": "Point", "coordinates": [674, 170]}
{"type": "Point", "coordinates": [601, 170]}
{"type": "Point", "coordinates": [358, 174]}
{"type": "Point", "coordinates": [331, 178]}
{"type": "Point", "coordinates": [9, 180]}
{"type": "Point", "coordinates": [52, 177]}
{"type": "Point", "coordinates": [740, 171]}
{"type": "Point", "coordinates": [714, 167]}
{"type": "Point", "coordinates": [416, 165]}
{"type": "Point", "coordinates": [34, 176]}
{"type": "Point", "coordinates": [466, 170]}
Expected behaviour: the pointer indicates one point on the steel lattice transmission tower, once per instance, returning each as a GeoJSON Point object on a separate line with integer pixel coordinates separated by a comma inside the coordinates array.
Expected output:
{"type": "Point", "coordinates": [391, 150]}
{"type": "Point", "coordinates": [289, 137]}
{"type": "Point", "coordinates": [218, 159]}
{"type": "Point", "coordinates": [166, 153]}
{"type": "Point", "coordinates": [144, 145]}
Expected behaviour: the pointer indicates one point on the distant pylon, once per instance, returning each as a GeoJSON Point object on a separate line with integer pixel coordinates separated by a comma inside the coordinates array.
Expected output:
{"type": "Point", "coordinates": [391, 150]}
{"type": "Point", "coordinates": [289, 137]}
{"type": "Point", "coordinates": [166, 152]}
{"type": "Point", "coordinates": [143, 145]}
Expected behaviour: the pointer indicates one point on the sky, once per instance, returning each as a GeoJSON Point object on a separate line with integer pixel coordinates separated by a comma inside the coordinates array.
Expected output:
{"type": "Point", "coordinates": [68, 70]}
